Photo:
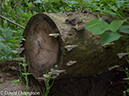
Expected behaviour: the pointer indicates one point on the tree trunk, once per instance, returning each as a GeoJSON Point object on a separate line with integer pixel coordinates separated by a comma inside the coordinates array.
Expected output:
{"type": "Point", "coordinates": [59, 39]}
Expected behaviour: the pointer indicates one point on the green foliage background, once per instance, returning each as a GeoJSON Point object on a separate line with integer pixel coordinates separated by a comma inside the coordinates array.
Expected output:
{"type": "Point", "coordinates": [20, 11]}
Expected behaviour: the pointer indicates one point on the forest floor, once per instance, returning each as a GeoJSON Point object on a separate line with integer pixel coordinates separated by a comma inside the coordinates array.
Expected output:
{"type": "Point", "coordinates": [9, 71]}
{"type": "Point", "coordinates": [109, 83]}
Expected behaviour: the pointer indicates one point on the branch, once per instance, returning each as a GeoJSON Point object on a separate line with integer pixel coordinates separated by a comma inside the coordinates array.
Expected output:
{"type": "Point", "coordinates": [12, 22]}
{"type": "Point", "coordinates": [81, 5]}
{"type": "Point", "coordinates": [44, 8]}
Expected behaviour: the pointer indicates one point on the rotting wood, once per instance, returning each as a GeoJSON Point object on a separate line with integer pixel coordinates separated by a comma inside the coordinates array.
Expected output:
{"type": "Point", "coordinates": [44, 51]}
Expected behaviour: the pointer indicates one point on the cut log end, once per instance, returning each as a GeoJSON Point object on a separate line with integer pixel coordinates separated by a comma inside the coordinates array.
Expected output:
{"type": "Point", "coordinates": [41, 50]}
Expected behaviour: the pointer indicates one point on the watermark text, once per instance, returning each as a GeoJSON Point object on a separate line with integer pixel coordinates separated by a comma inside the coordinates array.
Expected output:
{"type": "Point", "coordinates": [15, 93]}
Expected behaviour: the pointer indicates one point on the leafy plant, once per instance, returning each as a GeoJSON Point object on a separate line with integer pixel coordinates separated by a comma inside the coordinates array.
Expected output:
{"type": "Point", "coordinates": [127, 79]}
{"type": "Point", "coordinates": [7, 44]}
{"type": "Point", "coordinates": [24, 75]}
{"type": "Point", "coordinates": [47, 78]}
{"type": "Point", "coordinates": [124, 29]}
{"type": "Point", "coordinates": [98, 26]}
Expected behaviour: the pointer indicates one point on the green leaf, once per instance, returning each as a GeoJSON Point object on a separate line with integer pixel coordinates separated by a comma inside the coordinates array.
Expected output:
{"type": "Point", "coordinates": [110, 12]}
{"type": "Point", "coordinates": [109, 37]}
{"type": "Point", "coordinates": [15, 81]}
{"type": "Point", "coordinates": [97, 26]}
{"type": "Point", "coordinates": [124, 27]}
{"type": "Point", "coordinates": [7, 33]}
{"type": "Point", "coordinates": [20, 64]}
{"type": "Point", "coordinates": [14, 51]}
{"type": "Point", "coordinates": [2, 44]}
{"type": "Point", "coordinates": [1, 29]}
{"type": "Point", "coordinates": [1, 38]}
{"type": "Point", "coordinates": [3, 52]}
{"type": "Point", "coordinates": [114, 8]}
{"type": "Point", "coordinates": [114, 26]}
{"type": "Point", "coordinates": [7, 50]}
{"type": "Point", "coordinates": [5, 23]}
{"type": "Point", "coordinates": [72, 1]}
{"type": "Point", "coordinates": [23, 39]}
{"type": "Point", "coordinates": [26, 2]}
{"type": "Point", "coordinates": [126, 79]}
{"type": "Point", "coordinates": [29, 5]}
{"type": "Point", "coordinates": [91, 24]}
{"type": "Point", "coordinates": [127, 90]}
{"type": "Point", "coordinates": [37, 1]}
{"type": "Point", "coordinates": [20, 10]}
{"type": "Point", "coordinates": [9, 44]}
{"type": "Point", "coordinates": [12, 39]}
{"type": "Point", "coordinates": [124, 31]}
{"type": "Point", "coordinates": [2, 58]}
{"type": "Point", "coordinates": [26, 73]}
{"type": "Point", "coordinates": [120, 3]}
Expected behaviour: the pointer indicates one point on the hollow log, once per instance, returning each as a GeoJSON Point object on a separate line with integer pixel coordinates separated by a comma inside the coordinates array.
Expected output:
{"type": "Point", "coordinates": [63, 40]}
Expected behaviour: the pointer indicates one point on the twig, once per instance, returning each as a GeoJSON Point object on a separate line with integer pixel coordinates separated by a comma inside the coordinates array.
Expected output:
{"type": "Point", "coordinates": [81, 5]}
{"type": "Point", "coordinates": [44, 8]}
{"type": "Point", "coordinates": [12, 22]}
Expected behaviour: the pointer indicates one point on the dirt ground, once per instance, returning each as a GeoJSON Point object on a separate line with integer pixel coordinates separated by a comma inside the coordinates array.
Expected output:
{"type": "Point", "coordinates": [109, 83]}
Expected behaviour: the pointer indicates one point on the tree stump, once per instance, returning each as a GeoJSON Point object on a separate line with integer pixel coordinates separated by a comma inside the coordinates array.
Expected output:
{"type": "Point", "coordinates": [59, 39]}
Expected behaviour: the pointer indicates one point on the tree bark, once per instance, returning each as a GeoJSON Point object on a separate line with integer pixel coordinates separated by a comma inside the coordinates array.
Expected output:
{"type": "Point", "coordinates": [76, 51]}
